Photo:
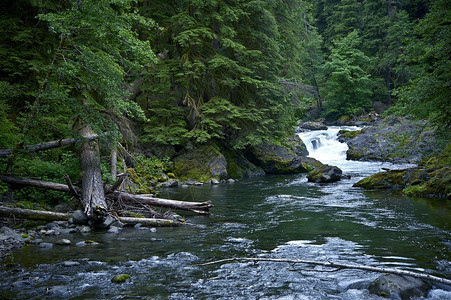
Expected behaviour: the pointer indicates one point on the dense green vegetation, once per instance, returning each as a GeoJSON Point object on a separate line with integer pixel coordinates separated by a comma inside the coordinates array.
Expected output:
{"type": "Point", "coordinates": [176, 73]}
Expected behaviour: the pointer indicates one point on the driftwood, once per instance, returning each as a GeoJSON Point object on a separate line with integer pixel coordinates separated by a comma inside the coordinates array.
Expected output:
{"type": "Point", "coordinates": [47, 145]}
{"type": "Point", "coordinates": [396, 170]}
{"type": "Point", "coordinates": [55, 216]}
{"type": "Point", "coordinates": [197, 207]}
{"type": "Point", "coordinates": [337, 265]}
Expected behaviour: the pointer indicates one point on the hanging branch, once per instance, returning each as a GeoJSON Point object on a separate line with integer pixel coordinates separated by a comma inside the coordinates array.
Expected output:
{"type": "Point", "coordinates": [72, 189]}
{"type": "Point", "coordinates": [336, 265]}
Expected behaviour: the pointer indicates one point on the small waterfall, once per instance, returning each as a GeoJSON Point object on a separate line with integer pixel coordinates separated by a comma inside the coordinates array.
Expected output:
{"type": "Point", "coordinates": [324, 145]}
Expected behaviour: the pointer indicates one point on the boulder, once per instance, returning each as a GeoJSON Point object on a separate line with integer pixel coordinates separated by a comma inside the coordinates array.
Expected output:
{"type": "Point", "coordinates": [303, 126]}
{"type": "Point", "coordinates": [63, 242]}
{"type": "Point", "coordinates": [392, 139]}
{"type": "Point", "coordinates": [399, 287]}
{"type": "Point", "coordinates": [238, 166]}
{"type": "Point", "coordinates": [325, 174]}
{"type": "Point", "coordinates": [201, 163]}
{"type": "Point", "coordinates": [79, 218]}
{"type": "Point", "coordinates": [279, 159]}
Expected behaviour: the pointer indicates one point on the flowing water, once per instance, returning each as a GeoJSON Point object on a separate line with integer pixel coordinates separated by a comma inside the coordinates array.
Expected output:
{"type": "Point", "coordinates": [271, 216]}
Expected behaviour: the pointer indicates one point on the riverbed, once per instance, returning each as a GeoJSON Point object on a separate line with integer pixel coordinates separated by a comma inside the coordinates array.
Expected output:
{"type": "Point", "coordinates": [278, 216]}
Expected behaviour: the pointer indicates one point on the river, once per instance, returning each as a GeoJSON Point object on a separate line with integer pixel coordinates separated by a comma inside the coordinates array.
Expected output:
{"type": "Point", "coordinates": [281, 216]}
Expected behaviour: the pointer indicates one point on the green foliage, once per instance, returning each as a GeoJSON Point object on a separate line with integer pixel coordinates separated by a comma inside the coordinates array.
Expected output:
{"type": "Point", "coordinates": [151, 166]}
{"type": "Point", "coordinates": [348, 86]}
{"type": "Point", "coordinates": [428, 92]}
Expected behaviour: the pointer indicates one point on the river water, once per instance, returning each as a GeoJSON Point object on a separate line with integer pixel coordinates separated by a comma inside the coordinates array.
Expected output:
{"type": "Point", "coordinates": [280, 216]}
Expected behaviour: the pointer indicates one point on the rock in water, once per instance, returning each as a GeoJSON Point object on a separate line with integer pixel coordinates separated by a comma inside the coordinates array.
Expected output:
{"type": "Point", "coordinates": [399, 287]}
{"type": "Point", "coordinates": [79, 218]}
{"type": "Point", "coordinates": [324, 174]}
{"type": "Point", "coordinates": [120, 278]}
{"type": "Point", "coordinates": [311, 126]}
{"type": "Point", "coordinates": [64, 242]}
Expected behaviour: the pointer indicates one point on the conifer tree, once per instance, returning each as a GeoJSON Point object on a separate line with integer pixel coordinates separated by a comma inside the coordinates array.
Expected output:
{"type": "Point", "coordinates": [348, 85]}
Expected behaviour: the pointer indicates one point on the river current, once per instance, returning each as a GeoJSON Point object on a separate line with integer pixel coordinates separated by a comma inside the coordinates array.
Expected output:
{"type": "Point", "coordinates": [281, 216]}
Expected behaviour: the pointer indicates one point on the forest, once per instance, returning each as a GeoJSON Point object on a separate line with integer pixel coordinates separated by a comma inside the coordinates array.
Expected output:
{"type": "Point", "coordinates": [109, 109]}
{"type": "Point", "coordinates": [154, 78]}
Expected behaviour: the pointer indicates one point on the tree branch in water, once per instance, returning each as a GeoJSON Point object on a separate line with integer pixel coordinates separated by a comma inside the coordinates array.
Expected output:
{"type": "Point", "coordinates": [336, 265]}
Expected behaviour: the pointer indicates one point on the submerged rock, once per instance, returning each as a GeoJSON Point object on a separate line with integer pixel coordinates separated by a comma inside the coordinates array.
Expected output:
{"type": "Point", "coordinates": [120, 278]}
{"type": "Point", "coordinates": [399, 287]}
{"type": "Point", "coordinates": [69, 263]}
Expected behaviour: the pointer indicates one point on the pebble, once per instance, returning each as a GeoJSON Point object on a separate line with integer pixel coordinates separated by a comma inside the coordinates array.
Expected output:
{"type": "Point", "coordinates": [64, 242]}
{"type": "Point", "coordinates": [69, 263]}
{"type": "Point", "coordinates": [45, 245]}
{"type": "Point", "coordinates": [114, 230]}
{"type": "Point", "coordinates": [85, 229]}
{"type": "Point", "coordinates": [153, 229]}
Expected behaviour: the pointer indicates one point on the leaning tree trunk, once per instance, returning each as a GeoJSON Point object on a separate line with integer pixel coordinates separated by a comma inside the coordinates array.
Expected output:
{"type": "Point", "coordinates": [93, 195]}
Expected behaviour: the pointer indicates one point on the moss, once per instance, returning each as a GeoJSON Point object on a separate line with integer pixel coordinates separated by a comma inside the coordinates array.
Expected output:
{"type": "Point", "coordinates": [135, 215]}
{"type": "Point", "coordinates": [383, 180]}
{"type": "Point", "coordinates": [385, 294]}
{"type": "Point", "coordinates": [24, 235]}
{"type": "Point", "coordinates": [344, 119]}
{"type": "Point", "coordinates": [350, 134]}
{"type": "Point", "coordinates": [120, 278]}
{"type": "Point", "coordinates": [171, 175]}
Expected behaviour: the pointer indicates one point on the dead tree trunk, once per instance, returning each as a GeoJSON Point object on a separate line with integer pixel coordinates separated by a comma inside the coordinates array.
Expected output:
{"type": "Point", "coordinates": [46, 145]}
{"type": "Point", "coordinates": [93, 195]}
{"type": "Point", "coordinates": [197, 207]}
{"type": "Point", "coordinates": [30, 214]}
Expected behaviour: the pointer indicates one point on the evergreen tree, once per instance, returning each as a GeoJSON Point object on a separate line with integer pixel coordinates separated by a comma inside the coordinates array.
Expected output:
{"type": "Point", "coordinates": [348, 85]}
{"type": "Point", "coordinates": [427, 94]}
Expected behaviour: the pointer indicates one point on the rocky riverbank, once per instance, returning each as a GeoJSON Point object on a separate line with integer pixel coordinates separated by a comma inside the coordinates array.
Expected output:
{"type": "Point", "coordinates": [392, 139]}
{"type": "Point", "coordinates": [402, 140]}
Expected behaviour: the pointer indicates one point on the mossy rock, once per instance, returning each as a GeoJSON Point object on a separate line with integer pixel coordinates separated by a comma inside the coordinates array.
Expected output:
{"type": "Point", "coordinates": [383, 180]}
{"type": "Point", "coordinates": [202, 163]}
{"type": "Point", "coordinates": [120, 278]}
{"type": "Point", "coordinates": [238, 166]}
{"type": "Point", "coordinates": [348, 134]}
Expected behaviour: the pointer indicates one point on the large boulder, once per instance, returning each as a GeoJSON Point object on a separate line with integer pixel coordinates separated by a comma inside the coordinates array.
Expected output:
{"type": "Point", "coordinates": [303, 126]}
{"type": "Point", "coordinates": [201, 163]}
{"type": "Point", "coordinates": [399, 140]}
{"type": "Point", "coordinates": [399, 287]}
{"type": "Point", "coordinates": [285, 159]}
{"type": "Point", "coordinates": [239, 166]}
{"type": "Point", "coordinates": [325, 174]}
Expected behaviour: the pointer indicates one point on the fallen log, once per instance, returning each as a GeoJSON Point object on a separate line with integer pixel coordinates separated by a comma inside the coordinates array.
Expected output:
{"type": "Point", "coordinates": [49, 216]}
{"type": "Point", "coordinates": [47, 145]}
{"type": "Point", "coordinates": [31, 214]}
{"type": "Point", "coordinates": [197, 207]}
{"type": "Point", "coordinates": [336, 265]}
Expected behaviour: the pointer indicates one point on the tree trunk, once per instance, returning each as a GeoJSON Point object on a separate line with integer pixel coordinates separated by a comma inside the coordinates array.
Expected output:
{"type": "Point", "coordinates": [197, 207]}
{"type": "Point", "coordinates": [30, 214]}
{"type": "Point", "coordinates": [114, 163]}
{"type": "Point", "coordinates": [93, 196]}
{"type": "Point", "coordinates": [47, 145]}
